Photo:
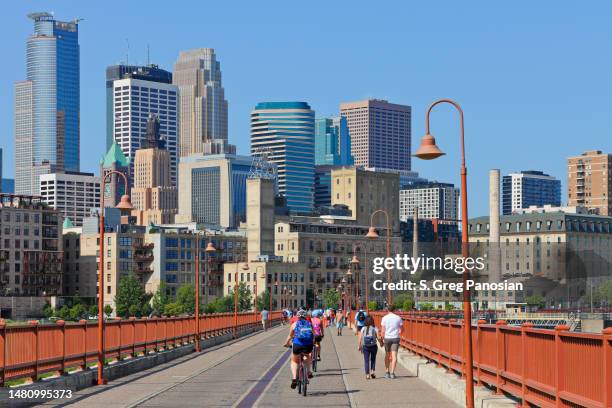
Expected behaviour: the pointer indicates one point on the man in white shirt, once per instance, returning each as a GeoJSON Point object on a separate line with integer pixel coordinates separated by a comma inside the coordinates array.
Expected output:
{"type": "Point", "coordinates": [391, 327]}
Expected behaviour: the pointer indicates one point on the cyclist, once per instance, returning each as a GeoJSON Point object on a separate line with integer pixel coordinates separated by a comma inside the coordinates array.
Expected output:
{"type": "Point", "coordinates": [317, 328]}
{"type": "Point", "coordinates": [301, 335]}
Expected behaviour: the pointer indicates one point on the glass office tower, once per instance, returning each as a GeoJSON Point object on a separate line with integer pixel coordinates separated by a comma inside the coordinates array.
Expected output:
{"type": "Point", "coordinates": [284, 133]}
{"type": "Point", "coordinates": [47, 103]}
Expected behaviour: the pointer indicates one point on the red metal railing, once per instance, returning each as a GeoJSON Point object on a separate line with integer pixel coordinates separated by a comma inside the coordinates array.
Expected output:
{"type": "Point", "coordinates": [546, 368]}
{"type": "Point", "coordinates": [29, 350]}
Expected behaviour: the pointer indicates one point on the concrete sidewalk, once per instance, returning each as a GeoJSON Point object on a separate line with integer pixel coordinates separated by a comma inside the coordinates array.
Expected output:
{"type": "Point", "coordinates": [405, 391]}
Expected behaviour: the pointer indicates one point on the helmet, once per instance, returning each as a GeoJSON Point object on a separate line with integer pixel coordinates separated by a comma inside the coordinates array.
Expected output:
{"type": "Point", "coordinates": [301, 313]}
{"type": "Point", "coordinates": [316, 313]}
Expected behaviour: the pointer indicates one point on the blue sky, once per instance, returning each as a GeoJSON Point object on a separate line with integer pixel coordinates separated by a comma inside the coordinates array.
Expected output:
{"type": "Point", "coordinates": [534, 78]}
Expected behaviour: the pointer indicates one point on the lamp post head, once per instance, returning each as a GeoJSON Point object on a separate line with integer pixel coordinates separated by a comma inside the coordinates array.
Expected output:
{"type": "Point", "coordinates": [372, 234]}
{"type": "Point", "coordinates": [125, 205]}
{"type": "Point", "coordinates": [276, 283]}
{"type": "Point", "coordinates": [210, 248]}
{"type": "Point", "coordinates": [349, 272]}
{"type": "Point", "coordinates": [355, 260]}
{"type": "Point", "coordinates": [343, 280]}
{"type": "Point", "coordinates": [428, 150]}
{"type": "Point", "coordinates": [245, 267]}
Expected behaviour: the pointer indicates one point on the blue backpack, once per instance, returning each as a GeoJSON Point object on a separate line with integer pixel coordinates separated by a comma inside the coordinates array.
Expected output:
{"type": "Point", "coordinates": [302, 334]}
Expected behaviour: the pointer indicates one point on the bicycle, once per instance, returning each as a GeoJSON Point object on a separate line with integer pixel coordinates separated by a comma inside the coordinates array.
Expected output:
{"type": "Point", "coordinates": [302, 375]}
{"type": "Point", "coordinates": [315, 355]}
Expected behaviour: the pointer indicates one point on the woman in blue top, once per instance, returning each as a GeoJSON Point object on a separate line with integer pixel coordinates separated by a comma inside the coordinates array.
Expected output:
{"type": "Point", "coordinates": [302, 337]}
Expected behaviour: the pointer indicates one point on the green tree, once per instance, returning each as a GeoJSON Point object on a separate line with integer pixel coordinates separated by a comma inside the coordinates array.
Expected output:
{"type": "Point", "coordinates": [130, 297]}
{"type": "Point", "coordinates": [48, 311]}
{"type": "Point", "coordinates": [400, 300]}
{"type": "Point", "coordinates": [77, 311]}
{"type": "Point", "coordinates": [263, 301]}
{"type": "Point", "coordinates": [185, 297]}
{"type": "Point", "coordinates": [427, 306]}
{"type": "Point", "coordinates": [408, 305]}
{"type": "Point", "coordinates": [605, 292]}
{"type": "Point", "coordinates": [536, 301]}
{"type": "Point", "coordinates": [93, 310]}
{"type": "Point", "coordinates": [108, 310]}
{"type": "Point", "coordinates": [448, 306]}
{"type": "Point", "coordinates": [244, 298]}
{"type": "Point", "coordinates": [173, 309]}
{"type": "Point", "coordinates": [64, 313]}
{"type": "Point", "coordinates": [331, 298]}
{"type": "Point", "coordinates": [160, 299]}
{"type": "Point", "coordinates": [373, 305]}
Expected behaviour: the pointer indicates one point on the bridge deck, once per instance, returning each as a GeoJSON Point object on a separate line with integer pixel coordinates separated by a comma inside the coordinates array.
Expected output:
{"type": "Point", "coordinates": [254, 371]}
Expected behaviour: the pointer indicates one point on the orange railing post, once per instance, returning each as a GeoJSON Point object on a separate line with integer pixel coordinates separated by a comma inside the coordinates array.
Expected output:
{"type": "Point", "coordinates": [524, 346]}
{"type": "Point", "coordinates": [450, 345]}
{"type": "Point", "coordinates": [607, 358]}
{"type": "Point", "coordinates": [478, 349]}
{"type": "Point", "coordinates": [63, 326]}
{"type": "Point", "coordinates": [560, 368]}
{"type": "Point", "coordinates": [500, 351]}
{"type": "Point", "coordinates": [3, 350]}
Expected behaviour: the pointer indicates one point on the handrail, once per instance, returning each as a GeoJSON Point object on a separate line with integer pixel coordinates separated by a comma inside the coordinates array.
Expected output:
{"type": "Point", "coordinates": [539, 366]}
{"type": "Point", "coordinates": [32, 349]}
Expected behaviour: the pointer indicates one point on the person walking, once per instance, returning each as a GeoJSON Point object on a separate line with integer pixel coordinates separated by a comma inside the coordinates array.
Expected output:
{"type": "Point", "coordinates": [391, 327]}
{"type": "Point", "coordinates": [265, 315]}
{"type": "Point", "coordinates": [368, 338]}
{"type": "Point", "coordinates": [339, 322]}
{"type": "Point", "coordinates": [360, 318]}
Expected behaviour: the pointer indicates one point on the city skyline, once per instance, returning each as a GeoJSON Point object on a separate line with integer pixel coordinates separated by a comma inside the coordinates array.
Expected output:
{"type": "Point", "coordinates": [542, 111]}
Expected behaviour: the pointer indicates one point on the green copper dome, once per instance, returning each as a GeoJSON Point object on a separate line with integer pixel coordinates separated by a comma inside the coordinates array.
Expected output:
{"type": "Point", "coordinates": [115, 155]}
{"type": "Point", "coordinates": [68, 223]}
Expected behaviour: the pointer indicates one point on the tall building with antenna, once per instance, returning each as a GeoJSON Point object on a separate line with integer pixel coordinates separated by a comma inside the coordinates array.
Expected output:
{"type": "Point", "coordinates": [133, 93]}
{"type": "Point", "coordinates": [47, 103]}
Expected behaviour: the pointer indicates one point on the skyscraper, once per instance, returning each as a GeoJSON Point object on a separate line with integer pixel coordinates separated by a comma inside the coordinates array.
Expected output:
{"type": "Point", "coordinates": [589, 181]}
{"type": "Point", "coordinates": [203, 108]}
{"type": "Point", "coordinates": [47, 103]}
{"type": "Point", "coordinates": [149, 72]}
{"type": "Point", "coordinates": [212, 189]}
{"type": "Point", "coordinates": [73, 194]}
{"type": "Point", "coordinates": [284, 133]}
{"type": "Point", "coordinates": [527, 188]}
{"type": "Point", "coordinates": [380, 133]}
{"type": "Point", "coordinates": [153, 195]}
{"type": "Point", "coordinates": [431, 199]}
{"type": "Point", "coordinates": [133, 101]}
{"type": "Point", "coordinates": [332, 142]}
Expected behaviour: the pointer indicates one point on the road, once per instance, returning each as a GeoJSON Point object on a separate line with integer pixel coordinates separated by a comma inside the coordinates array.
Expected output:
{"type": "Point", "coordinates": [254, 371]}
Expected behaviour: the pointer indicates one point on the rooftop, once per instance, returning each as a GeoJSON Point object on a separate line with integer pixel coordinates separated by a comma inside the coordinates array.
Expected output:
{"type": "Point", "coordinates": [282, 105]}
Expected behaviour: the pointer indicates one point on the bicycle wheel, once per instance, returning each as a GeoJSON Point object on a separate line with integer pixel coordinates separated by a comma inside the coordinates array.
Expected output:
{"type": "Point", "coordinates": [300, 378]}
{"type": "Point", "coordinates": [314, 359]}
{"type": "Point", "coordinates": [305, 377]}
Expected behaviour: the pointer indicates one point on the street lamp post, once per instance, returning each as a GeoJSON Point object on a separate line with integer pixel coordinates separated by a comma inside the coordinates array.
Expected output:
{"type": "Point", "coordinates": [235, 300]}
{"type": "Point", "coordinates": [209, 248]}
{"type": "Point", "coordinates": [428, 151]}
{"type": "Point", "coordinates": [357, 269]}
{"type": "Point", "coordinates": [372, 234]}
{"type": "Point", "coordinates": [367, 283]}
{"type": "Point", "coordinates": [124, 206]}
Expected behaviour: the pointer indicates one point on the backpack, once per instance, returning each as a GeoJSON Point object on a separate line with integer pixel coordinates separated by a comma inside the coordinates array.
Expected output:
{"type": "Point", "coordinates": [316, 326]}
{"type": "Point", "coordinates": [361, 316]}
{"type": "Point", "coordinates": [302, 334]}
{"type": "Point", "coordinates": [369, 338]}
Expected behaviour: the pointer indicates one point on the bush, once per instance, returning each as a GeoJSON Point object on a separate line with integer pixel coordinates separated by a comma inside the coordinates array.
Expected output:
{"type": "Point", "coordinates": [108, 310]}
{"type": "Point", "coordinates": [372, 305]}
{"type": "Point", "coordinates": [77, 312]}
{"type": "Point", "coordinates": [93, 310]}
{"type": "Point", "coordinates": [64, 313]}
{"type": "Point", "coordinates": [427, 306]}
{"type": "Point", "coordinates": [48, 311]}
{"type": "Point", "coordinates": [408, 305]}
{"type": "Point", "coordinates": [173, 309]}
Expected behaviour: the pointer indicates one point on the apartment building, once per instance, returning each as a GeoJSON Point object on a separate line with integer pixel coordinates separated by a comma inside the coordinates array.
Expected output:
{"type": "Point", "coordinates": [30, 247]}
{"type": "Point", "coordinates": [589, 181]}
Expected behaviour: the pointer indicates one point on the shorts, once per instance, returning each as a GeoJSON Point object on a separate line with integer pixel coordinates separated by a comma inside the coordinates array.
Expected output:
{"type": "Point", "coordinates": [339, 325]}
{"type": "Point", "coordinates": [297, 350]}
{"type": "Point", "coordinates": [318, 339]}
{"type": "Point", "coordinates": [392, 345]}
